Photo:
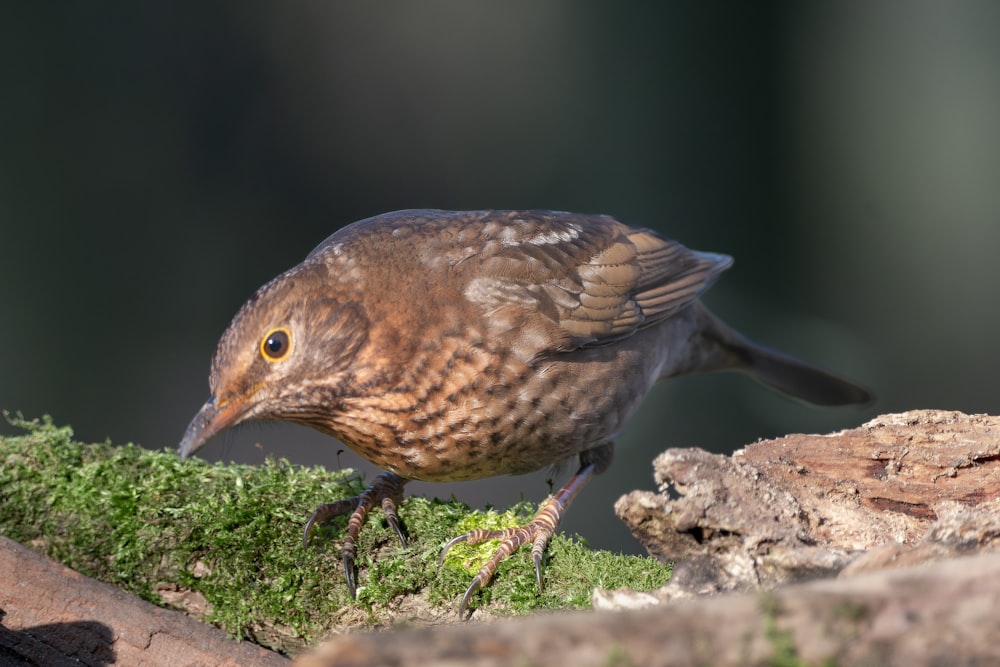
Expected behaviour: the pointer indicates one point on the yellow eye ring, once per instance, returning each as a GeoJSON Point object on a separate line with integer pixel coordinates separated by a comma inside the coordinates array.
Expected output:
{"type": "Point", "coordinates": [276, 345]}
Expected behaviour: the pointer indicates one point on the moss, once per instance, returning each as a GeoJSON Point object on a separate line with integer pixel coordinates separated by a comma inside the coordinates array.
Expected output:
{"type": "Point", "coordinates": [231, 535]}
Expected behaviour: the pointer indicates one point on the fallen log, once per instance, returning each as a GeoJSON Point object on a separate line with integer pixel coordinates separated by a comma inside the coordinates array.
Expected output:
{"type": "Point", "coordinates": [901, 489]}
{"type": "Point", "coordinates": [51, 615]}
{"type": "Point", "coordinates": [947, 613]}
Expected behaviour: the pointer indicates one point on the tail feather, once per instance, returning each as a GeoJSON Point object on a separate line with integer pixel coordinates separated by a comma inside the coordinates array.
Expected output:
{"type": "Point", "coordinates": [801, 380]}
{"type": "Point", "coordinates": [774, 369]}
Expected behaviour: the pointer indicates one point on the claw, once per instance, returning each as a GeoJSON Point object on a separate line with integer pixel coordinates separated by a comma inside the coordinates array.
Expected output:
{"type": "Point", "coordinates": [452, 542]}
{"type": "Point", "coordinates": [387, 490]}
{"type": "Point", "coordinates": [389, 510]}
{"type": "Point", "coordinates": [308, 530]}
{"type": "Point", "coordinates": [538, 553]}
{"type": "Point", "coordinates": [328, 511]}
{"type": "Point", "coordinates": [538, 531]}
{"type": "Point", "coordinates": [469, 592]}
{"type": "Point", "coordinates": [538, 572]}
{"type": "Point", "coordinates": [352, 584]}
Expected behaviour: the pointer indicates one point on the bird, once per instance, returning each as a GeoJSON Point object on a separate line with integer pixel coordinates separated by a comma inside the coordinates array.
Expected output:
{"type": "Point", "coordinates": [459, 345]}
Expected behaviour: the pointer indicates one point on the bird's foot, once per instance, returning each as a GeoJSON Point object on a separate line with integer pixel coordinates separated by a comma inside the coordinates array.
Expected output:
{"type": "Point", "coordinates": [538, 532]}
{"type": "Point", "coordinates": [386, 490]}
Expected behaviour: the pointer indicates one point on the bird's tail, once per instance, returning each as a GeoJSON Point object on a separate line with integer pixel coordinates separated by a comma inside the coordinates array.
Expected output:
{"type": "Point", "coordinates": [725, 349]}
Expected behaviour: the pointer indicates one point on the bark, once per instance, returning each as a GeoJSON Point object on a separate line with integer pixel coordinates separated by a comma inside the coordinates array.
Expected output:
{"type": "Point", "coordinates": [945, 614]}
{"type": "Point", "coordinates": [52, 616]}
{"type": "Point", "coordinates": [901, 489]}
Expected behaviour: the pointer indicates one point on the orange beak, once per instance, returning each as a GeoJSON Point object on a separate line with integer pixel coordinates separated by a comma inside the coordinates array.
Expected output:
{"type": "Point", "coordinates": [212, 418]}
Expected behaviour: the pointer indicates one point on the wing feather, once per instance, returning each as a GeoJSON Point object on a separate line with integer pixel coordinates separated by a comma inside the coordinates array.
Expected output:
{"type": "Point", "coordinates": [585, 280]}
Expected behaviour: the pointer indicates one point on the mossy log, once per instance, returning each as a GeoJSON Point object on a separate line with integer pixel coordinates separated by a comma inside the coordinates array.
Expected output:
{"type": "Point", "coordinates": [223, 543]}
{"type": "Point", "coordinates": [920, 489]}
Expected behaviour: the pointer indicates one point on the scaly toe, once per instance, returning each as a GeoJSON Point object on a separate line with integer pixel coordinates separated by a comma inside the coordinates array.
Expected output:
{"type": "Point", "coordinates": [324, 512]}
{"type": "Point", "coordinates": [386, 490]}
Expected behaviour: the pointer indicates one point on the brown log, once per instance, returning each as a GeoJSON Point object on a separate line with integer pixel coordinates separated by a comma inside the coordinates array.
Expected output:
{"type": "Point", "coordinates": [51, 615]}
{"type": "Point", "coordinates": [944, 614]}
{"type": "Point", "coordinates": [901, 489]}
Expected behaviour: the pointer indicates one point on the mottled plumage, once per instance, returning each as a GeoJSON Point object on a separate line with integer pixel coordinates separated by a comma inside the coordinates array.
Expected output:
{"type": "Point", "coordinates": [448, 345]}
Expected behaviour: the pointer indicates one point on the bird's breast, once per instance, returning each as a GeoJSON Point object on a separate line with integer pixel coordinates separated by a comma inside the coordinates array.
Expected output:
{"type": "Point", "coordinates": [462, 410]}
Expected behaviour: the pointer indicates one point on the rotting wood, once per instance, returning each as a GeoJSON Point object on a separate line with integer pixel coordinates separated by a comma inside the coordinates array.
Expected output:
{"type": "Point", "coordinates": [900, 489]}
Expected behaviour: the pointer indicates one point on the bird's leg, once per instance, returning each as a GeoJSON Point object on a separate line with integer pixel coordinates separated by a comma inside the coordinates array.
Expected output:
{"type": "Point", "coordinates": [538, 532]}
{"type": "Point", "coordinates": [386, 490]}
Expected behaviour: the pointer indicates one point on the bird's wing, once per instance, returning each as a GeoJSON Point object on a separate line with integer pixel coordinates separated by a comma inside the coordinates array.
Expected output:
{"type": "Point", "coordinates": [573, 280]}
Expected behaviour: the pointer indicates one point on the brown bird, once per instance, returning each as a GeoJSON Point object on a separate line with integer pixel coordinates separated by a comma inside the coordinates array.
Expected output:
{"type": "Point", "coordinates": [444, 345]}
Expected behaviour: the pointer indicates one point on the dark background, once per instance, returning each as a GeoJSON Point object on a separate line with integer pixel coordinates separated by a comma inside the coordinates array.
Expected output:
{"type": "Point", "coordinates": [160, 161]}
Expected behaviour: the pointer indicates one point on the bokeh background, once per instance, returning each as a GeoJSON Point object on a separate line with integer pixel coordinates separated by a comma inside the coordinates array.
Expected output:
{"type": "Point", "coordinates": [160, 161]}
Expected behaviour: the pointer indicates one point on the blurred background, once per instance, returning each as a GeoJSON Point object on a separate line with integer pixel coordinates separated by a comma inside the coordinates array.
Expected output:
{"type": "Point", "coordinates": [160, 161]}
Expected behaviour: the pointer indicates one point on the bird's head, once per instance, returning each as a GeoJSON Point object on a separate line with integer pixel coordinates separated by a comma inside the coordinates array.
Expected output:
{"type": "Point", "coordinates": [287, 355]}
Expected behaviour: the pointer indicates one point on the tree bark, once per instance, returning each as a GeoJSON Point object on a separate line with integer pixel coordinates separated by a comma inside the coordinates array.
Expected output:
{"type": "Point", "coordinates": [53, 616]}
{"type": "Point", "coordinates": [902, 489]}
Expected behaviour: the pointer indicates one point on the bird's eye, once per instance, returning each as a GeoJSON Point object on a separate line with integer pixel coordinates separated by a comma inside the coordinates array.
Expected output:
{"type": "Point", "coordinates": [276, 345]}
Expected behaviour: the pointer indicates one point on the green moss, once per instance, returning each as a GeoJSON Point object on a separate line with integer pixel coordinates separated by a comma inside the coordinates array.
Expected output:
{"type": "Point", "coordinates": [469, 558]}
{"type": "Point", "coordinates": [150, 523]}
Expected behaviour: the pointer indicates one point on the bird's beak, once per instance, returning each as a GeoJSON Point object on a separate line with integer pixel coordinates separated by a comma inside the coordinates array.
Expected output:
{"type": "Point", "coordinates": [212, 418]}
